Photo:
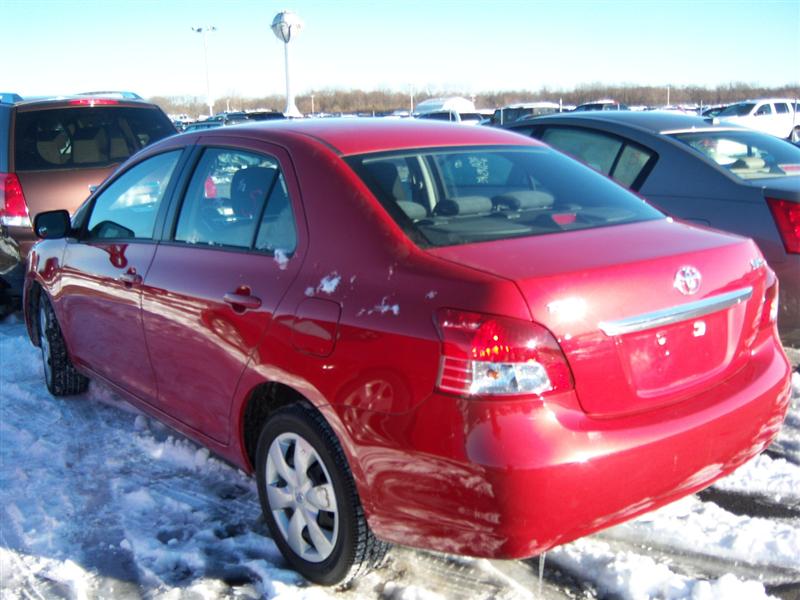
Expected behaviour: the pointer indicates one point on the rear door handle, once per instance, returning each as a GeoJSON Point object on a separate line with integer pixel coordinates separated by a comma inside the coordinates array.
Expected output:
{"type": "Point", "coordinates": [242, 301]}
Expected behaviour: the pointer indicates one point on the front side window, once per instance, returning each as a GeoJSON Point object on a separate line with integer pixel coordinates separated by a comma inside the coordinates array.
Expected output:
{"type": "Point", "coordinates": [746, 154]}
{"type": "Point", "coordinates": [766, 109]}
{"type": "Point", "coordinates": [616, 157]}
{"type": "Point", "coordinates": [127, 208]}
{"type": "Point", "coordinates": [237, 199]}
{"type": "Point", "coordinates": [449, 196]}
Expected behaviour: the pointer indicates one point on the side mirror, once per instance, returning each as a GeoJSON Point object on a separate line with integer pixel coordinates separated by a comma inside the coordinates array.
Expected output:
{"type": "Point", "coordinates": [52, 224]}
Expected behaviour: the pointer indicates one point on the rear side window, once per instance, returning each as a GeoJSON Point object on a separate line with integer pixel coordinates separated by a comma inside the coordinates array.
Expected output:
{"type": "Point", "coordinates": [744, 153]}
{"type": "Point", "coordinates": [782, 108]}
{"type": "Point", "coordinates": [238, 199]}
{"type": "Point", "coordinates": [450, 196]}
{"type": "Point", "coordinates": [614, 156]}
{"type": "Point", "coordinates": [84, 136]}
{"type": "Point", "coordinates": [127, 208]}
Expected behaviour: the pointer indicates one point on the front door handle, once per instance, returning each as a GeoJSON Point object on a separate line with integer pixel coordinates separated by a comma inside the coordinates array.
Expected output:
{"type": "Point", "coordinates": [130, 277]}
{"type": "Point", "coordinates": [242, 302]}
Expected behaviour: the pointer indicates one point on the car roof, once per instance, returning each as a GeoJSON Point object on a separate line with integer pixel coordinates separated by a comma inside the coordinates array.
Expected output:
{"type": "Point", "coordinates": [362, 136]}
{"type": "Point", "coordinates": [651, 121]}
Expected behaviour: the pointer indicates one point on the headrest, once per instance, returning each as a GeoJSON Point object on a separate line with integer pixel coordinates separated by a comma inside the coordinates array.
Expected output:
{"type": "Point", "coordinates": [251, 181]}
{"type": "Point", "coordinates": [413, 210]}
{"type": "Point", "coordinates": [523, 199]}
{"type": "Point", "coordinates": [749, 162]}
{"type": "Point", "coordinates": [464, 205]}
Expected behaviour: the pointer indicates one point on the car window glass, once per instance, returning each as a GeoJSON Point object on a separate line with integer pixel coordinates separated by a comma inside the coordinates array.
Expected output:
{"type": "Point", "coordinates": [595, 149]}
{"type": "Point", "coordinates": [277, 232]}
{"type": "Point", "coordinates": [468, 195]}
{"type": "Point", "coordinates": [226, 201]}
{"type": "Point", "coordinates": [81, 136]}
{"type": "Point", "coordinates": [746, 154]}
{"type": "Point", "coordinates": [765, 109]}
{"type": "Point", "coordinates": [781, 107]}
{"type": "Point", "coordinates": [127, 208]}
{"type": "Point", "coordinates": [740, 109]}
{"type": "Point", "coordinates": [630, 164]}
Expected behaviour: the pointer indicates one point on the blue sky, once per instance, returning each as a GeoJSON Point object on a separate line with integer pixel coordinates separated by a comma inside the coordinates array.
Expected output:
{"type": "Point", "coordinates": [62, 46]}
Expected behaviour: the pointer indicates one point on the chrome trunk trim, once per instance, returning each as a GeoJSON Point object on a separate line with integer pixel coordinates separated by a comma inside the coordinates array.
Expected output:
{"type": "Point", "coordinates": [667, 316]}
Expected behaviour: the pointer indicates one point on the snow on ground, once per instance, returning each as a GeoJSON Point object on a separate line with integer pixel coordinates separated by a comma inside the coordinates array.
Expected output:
{"type": "Point", "coordinates": [100, 501]}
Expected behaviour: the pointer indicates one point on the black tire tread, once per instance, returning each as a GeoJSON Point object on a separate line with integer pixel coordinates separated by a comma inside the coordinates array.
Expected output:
{"type": "Point", "coordinates": [66, 380]}
{"type": "Point", "coordinates": [370, 552]}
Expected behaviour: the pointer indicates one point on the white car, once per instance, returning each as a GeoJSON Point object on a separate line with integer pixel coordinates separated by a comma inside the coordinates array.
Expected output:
{"type": "Point", "coordinates": [776, 116]}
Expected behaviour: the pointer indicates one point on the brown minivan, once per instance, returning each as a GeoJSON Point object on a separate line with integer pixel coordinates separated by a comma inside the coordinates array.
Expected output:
{"type": "Point", "coordinates": [52, 151]}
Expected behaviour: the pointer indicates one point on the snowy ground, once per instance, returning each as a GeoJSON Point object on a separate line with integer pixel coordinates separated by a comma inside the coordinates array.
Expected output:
{"type": "Point", "coordinates": [99, 501]}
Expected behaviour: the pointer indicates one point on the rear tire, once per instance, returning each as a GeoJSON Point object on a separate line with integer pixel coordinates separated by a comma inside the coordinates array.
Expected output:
{"type": "Point", "coordinates": [60, 375]}
{"type": "Point", "coordinates": [309, 499]}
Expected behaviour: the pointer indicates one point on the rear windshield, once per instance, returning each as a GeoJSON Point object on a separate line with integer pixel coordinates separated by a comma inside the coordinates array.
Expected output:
{"type": "Point", "coordinates": [84, 137]}
{"type": "Point", "coordinates": [746, 154]}
{"type": "Point", "coordinates": [450, 196]}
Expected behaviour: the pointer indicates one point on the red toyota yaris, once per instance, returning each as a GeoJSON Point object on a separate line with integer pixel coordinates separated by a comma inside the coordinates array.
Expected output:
{"type": "Point", "coordinates": [446, 337]}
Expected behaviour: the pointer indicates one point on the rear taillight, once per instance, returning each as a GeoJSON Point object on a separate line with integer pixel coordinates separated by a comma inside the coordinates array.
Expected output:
{"type": "Point", "coordinates": [487, 355]}
{"type": "Point", "coordinates": [787, 218]}
{"type": "Point", "coordinates": [13, 208]}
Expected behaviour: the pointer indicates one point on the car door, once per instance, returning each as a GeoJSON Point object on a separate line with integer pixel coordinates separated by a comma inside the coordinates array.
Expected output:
{"type": "Point", "coordinates": [230, 251]}
{"type": "Point", "coordinates": [103, 271]}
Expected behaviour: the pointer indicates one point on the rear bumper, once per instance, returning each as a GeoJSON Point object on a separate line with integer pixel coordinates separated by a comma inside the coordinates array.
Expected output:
{"type": "Point", "coordinates": [512, 479]}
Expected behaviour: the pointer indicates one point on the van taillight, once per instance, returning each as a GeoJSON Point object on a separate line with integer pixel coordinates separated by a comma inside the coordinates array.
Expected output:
{"type": "Point", "coordinates": [13, 208]}
{"type": "Point", "coordinates": [787, 218]}
{"type": "Point", "coordinates": [488, 355]}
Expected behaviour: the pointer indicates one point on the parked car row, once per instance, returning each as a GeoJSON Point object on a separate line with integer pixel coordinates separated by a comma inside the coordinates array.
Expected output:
{"type": "Point", "coordinates": [699, 171]}
{"type": "Point", "coordinates": [453, 338]}
{"type": "Point", "coordinates": [419, 333]}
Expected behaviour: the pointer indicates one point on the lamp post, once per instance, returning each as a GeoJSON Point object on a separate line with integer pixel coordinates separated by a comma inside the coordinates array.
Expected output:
{"type": "Point", "coordinates": [203, 31]}
{"type": "Point", "coordinates": [285, 25]}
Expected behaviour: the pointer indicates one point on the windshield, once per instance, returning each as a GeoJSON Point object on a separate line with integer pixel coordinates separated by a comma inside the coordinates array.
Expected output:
{"type": "Point", "coordinates": [450, 196]}
{"type": "Point", "coordinates": [741, 109]}
{"type": "Point", "coordinates": [746, 154]}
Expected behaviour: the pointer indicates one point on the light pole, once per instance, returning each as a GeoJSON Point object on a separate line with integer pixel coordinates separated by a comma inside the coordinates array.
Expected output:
{"type": "Point", "coordinates": [285, 25]}
{"type": "Point", "coordinates": [203, 31]}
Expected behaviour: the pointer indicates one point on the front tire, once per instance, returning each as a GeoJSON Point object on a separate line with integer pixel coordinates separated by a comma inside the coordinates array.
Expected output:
{"type": "Point", "coordinates": [60, 375]}
{"type": "Point", "coordinates": [309, 499]}
{"type": "Point", "coordinates": [794, 137]}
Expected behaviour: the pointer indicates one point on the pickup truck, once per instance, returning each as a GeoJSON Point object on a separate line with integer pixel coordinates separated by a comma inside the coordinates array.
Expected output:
{"type": "Point", "coordinates": [776, 116]}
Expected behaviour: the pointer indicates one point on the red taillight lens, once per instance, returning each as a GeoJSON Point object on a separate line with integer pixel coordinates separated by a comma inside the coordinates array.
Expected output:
{"type": "Point", "coordinates": [787, 217]}
{"type": "Point", "coordinates": [488, 355]}
{"type": "Point", "coordinates": [93, 102]}
{"type": "Point", "coordinates": [13, 208]}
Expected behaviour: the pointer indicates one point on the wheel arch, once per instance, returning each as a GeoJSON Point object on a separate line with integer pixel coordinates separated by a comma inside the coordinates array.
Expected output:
{"type": "Point", "coordinates": [265, 398]}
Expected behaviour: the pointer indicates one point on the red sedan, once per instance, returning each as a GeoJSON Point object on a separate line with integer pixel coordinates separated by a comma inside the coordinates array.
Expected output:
{"type": "Point", "coordinates": [444, 337]}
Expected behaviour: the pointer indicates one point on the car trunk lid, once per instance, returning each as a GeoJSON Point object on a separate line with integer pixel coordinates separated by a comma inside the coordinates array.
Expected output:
{"type": "Point", "coordinates": [612, 297]}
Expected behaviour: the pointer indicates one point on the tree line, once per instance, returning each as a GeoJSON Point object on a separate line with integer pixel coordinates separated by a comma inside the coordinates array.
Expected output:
{"type": "Point", "coordinates": [384, 101]}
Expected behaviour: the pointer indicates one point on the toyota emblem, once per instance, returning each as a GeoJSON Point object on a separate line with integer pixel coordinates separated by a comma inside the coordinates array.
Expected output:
{"type": "Point", "coordinates": [687, 280]}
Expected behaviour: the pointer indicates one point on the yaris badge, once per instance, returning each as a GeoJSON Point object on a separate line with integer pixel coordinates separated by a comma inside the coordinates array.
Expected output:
{"type": "Point", "coordinates": [687, 280]}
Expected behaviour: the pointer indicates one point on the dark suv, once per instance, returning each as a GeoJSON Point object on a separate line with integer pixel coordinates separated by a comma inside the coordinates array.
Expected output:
{"type": "Point", "coordinates": [52, 151]}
